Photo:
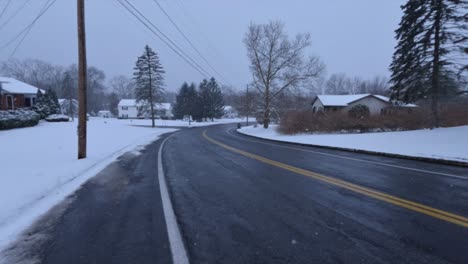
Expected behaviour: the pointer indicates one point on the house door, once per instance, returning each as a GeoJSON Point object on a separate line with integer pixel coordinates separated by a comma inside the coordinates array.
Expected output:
{"type": "Point", "coordinates": [10, 102]}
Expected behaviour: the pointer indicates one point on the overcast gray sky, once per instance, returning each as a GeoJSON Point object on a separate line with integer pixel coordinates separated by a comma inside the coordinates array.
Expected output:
{"type": "Point", "coordinates": [355, 37]}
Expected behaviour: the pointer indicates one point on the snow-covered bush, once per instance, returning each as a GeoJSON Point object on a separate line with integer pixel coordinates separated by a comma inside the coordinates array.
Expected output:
{"type": "Point", "coordinates": [46, 104]}
{"type": "Point", "coordinates": [18, 118]}
{"type": "Point", "coordinates": [57, 118]}
{"type": "Point", "coordinates": [359, 111]}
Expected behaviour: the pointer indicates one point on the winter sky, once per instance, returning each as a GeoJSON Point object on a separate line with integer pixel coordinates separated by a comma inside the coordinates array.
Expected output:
{"type": "Point", "coordinates": [355, 37]}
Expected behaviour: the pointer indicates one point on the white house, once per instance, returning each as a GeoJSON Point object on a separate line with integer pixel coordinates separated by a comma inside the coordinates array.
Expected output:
{"type": "Point", "coordinates": [15, 94]}
{"type": "Point", "coordinates": [104, 114]}
{"type": "Point", "coordinates": [128, 108]}
{"type": "Point", "coordinates": [377, 104]}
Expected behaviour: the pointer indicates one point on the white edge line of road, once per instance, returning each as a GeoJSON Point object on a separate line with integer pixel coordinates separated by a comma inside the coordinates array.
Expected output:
{"type": "Point", "coordinates": [179, 254]}
{"type": "Point", "coordinates": [258, 140]}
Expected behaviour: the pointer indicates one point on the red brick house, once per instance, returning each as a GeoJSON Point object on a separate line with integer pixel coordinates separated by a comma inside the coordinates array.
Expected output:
{"type": "Point", "coordinates": [15, 94]}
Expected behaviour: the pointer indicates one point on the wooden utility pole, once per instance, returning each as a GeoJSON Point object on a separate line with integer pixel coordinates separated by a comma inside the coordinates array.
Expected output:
{"type": "Point", "coordinates": [82, 80]}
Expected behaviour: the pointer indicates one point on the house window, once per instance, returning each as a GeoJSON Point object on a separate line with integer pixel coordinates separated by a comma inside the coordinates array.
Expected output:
{"type": "Point", "coordinates": [314, 109]}
{"type": "Point", "coordinates": [124, 107]}
{"type": "Point", "coordinates": [27, 102]}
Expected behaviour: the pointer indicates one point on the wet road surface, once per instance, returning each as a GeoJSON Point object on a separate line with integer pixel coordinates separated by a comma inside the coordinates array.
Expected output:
{"type": "Point", "coordinates": [243, 200]}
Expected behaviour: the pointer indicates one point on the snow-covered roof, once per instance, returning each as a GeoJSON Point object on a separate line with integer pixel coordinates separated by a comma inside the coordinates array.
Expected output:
{"type": "Point", "coordinates": [132, 102]}
{"type": "Point", "coordinates": [340, 100]}
{"type": "Point", "coordinates": [127, 102]}
{"type": "Point", "coordinates": [10, 85]}
{"type": "Point", "coordinates": [345, 100]}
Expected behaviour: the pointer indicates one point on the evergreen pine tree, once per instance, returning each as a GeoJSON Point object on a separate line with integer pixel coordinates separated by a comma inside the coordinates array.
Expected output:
{"type": "Point", "coordinates": [180, 107]}
{"type": "Point", "coordinates": [216, 102]}
{"type": "Point", "coordinates": [193, 102]}
{"type": "Point", "coordinates": [203, 99]}
{"type": "Point", "coordinates": [149, 81]}
{"type": "Point", "coordinates": [430, 34]}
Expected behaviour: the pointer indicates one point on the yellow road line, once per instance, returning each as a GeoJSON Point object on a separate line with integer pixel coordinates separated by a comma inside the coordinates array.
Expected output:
{"type": "Point", "coordinates": [424, 209]}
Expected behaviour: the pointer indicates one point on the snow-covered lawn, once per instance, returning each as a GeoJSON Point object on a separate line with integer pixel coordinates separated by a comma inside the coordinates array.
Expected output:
{"type": "Point", "coordinates": [442, 143]}
{"type": "Point", "coordinates": [39, 165]}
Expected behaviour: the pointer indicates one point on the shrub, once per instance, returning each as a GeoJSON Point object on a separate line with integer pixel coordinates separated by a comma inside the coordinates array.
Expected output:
{"type": "Point", "coordinates": [359, 111]}
{"type": "Point", "coordinates": [453, 114]}
{"type": "Point", "coordinates": [57, 118]}
{"type": "Point", "coordinates": [18, 118]}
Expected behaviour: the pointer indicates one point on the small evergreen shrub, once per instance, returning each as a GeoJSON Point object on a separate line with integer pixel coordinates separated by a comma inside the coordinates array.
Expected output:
{"type": "Point", "coordinates": [18, 118]}
{"type": "Point", "coordinates": [57, 118]}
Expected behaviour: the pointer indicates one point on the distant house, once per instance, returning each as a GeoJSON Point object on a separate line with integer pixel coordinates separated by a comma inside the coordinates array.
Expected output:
{"type": "Point", "coordinates": [15, 94]}
{"type": "Point", "coordinates": [377, 104]}
{"type": "Point", "coordinates": [104, 114]}
{"type": "Point", "coordinates": [128, 108]}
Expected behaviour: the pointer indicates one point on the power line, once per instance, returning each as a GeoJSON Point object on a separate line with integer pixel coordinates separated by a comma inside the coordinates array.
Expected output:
{"type": "Point", "coordinates": [14, 14]}
{"type": "Point", "coordinates": [5, 8]}
{"type": "Point", "coordinates": [172, 46]}
{"type": "Point", "coordinates": [188, 40]}
{"type": "Point", "coordinates": [27, 29]}
{"type": "Point", "coordinates": [165, 39]}
{"type": "Point", "coordinates": [197, 27]}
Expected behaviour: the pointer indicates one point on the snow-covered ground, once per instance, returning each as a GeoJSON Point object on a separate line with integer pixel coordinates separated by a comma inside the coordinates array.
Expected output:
{"type": "Point", "coordinates": [442, 143]}
{"type": "Point", "coordinates": [39, 165]}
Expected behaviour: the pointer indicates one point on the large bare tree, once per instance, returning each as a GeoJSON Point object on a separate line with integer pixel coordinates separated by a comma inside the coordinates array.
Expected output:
{"type": "Point", "coordinates": [278, 63]}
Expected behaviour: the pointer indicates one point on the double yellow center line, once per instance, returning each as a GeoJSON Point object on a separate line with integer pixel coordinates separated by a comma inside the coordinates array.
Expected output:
{"type": "Point", "coordinates": [427, 210]}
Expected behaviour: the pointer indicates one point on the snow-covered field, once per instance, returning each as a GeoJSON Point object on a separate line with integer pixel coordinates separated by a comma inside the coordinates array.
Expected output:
{"type": "Point", "coordinates": [39, 165]}
{"type": "Point", "coordinates": [442, 143]}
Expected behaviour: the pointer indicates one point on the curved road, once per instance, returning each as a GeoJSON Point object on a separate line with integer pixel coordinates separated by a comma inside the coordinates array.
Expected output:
{"type": "Point", "coordinates": [242, 200]}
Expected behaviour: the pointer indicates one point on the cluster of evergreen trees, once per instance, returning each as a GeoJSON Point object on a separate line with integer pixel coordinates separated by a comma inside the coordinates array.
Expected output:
{"type": "Point", "coordinates": [46, 104]}
{"type": "Point", "coordinates": [430, 58]}
{"type": "Point", "coordinates": [203, 103]}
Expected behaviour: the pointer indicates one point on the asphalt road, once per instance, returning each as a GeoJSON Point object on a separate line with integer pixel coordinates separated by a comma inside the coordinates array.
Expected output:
{"type": "Point", "coordinates": [243, 200]}
{"type": "Point", "coordinates": [237, 202]}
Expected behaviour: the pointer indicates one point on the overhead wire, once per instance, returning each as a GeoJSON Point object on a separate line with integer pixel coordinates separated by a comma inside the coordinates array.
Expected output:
{"type": "Point", "coordinates": [189, 41]}
{"type": "Point", "coordinates": [5, 8]}
{"type": "Point", "coordinates": [15, 13]}
{"type": "Point", "coordinates": [28, 28]}
{"type": "Point", "coordinates": [164, 38]}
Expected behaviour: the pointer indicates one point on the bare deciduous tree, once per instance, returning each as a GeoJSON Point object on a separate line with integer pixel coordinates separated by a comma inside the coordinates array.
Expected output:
{"type": "Point", "coordinates": [278, 63]}
{"type": "Point", "coordinates": [122, 86]}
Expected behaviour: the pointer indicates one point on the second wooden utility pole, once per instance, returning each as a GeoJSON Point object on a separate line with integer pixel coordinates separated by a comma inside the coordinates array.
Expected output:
{"type": "Point", "coordinates": [82, 80]}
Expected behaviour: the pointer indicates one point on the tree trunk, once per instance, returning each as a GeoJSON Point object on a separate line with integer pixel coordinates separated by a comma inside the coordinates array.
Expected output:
{"type": "Point", "coordinates": [436, 68]}
{"type": "Point", "coordinates": [266, 113]}
{"type": "Point", "coordinates": [151, 90]}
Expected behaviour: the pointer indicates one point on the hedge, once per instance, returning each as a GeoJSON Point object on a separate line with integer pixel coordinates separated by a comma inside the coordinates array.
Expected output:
{"type": "Point", "coordinates": [18, 118]}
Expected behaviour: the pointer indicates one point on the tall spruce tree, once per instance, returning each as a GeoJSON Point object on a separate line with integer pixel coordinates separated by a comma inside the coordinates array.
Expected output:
{"type": "Point", "coordinates": [187, 102]}
{"type": "Point", "coordinates": [216, 102]}
{"type": "Point", "coordinates": [210, 99]}
{"type": "Point", "coordinates": [149, 81]}
{"type": "Point", "coordinates": [180, 107]}
{"type": "Point", "coordinates": [203, 99]}
{"type": "Point", "coordinates": [431, 37]}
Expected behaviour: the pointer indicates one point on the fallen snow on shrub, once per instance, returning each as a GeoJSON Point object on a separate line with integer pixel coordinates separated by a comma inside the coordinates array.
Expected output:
{"type": "Point", "coordinates": [18, 118]}
{"type": "Point", "coordinates": [441, 143]}
{"type": "Point", "coordinates": [57, 118]}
